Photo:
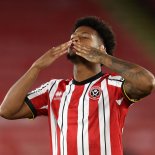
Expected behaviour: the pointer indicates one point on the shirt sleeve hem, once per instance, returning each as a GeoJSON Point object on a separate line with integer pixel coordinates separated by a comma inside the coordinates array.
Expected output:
{"type": "Point", "coordinates": [127, 97]}
{"type": "Point", "coordinates": [31, 107]}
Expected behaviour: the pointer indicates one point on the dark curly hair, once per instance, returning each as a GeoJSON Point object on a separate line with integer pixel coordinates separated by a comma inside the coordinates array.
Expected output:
{"type": "Point", "coordinates": [103, 29]}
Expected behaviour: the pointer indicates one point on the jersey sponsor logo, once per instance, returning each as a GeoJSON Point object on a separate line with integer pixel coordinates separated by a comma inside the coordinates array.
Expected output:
{"type": "Point", "coordinates": [58, 95]}
{"type": "Point", "coordinates": [95, 92]}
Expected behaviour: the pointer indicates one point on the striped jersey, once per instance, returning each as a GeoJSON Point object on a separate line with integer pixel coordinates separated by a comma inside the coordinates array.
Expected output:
{"type": "Point", "coordinates": [85, 118]}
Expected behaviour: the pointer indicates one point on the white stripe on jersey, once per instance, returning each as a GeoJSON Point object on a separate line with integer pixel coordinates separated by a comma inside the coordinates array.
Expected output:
{"type": "Point", "coordinates": [117, 77]}
{"type": "Point", "coordinates": [53, 120]}
{"type": "Point", "coordinates": [63, 117]}
{"type": "Point", "coordinates": [83, 113]}
{"type": "Point", "coordinates": [115, 81]}
{"type": "Point", "coordinates": [41, 90]}
{"type": "Point", "coordinates": [104, 114]}
{"type": "Point", "coordinates": [101, 123]}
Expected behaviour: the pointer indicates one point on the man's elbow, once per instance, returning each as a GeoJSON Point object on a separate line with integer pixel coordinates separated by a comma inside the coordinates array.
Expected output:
{"type": "Point", "coordinates": [150, 86]}
{"type": "Point", "coordinates": [153, 83]}
{"type": "Point", "coordinates": [4, 114]}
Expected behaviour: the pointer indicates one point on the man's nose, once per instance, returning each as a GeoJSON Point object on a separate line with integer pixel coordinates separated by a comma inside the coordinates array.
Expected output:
{"type": "Point", "coordinates": [75, 39]}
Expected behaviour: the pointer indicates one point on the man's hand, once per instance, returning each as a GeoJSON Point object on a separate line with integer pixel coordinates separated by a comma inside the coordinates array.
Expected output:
{"type": "Point", "coordinates": [89, 53]}
{"type": "Point", "coordinates": [51, 55]}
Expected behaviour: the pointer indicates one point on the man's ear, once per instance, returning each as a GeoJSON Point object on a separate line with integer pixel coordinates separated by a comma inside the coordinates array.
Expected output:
{"type": "Point", "coordinates": [102, 48]}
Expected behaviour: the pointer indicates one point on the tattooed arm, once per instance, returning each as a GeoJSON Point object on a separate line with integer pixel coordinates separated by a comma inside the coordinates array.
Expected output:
{"type": "Point", "coordinates": [139, 82]}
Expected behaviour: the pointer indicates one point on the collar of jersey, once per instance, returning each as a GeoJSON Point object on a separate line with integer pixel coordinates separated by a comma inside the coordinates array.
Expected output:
{"type": "Point", "coordinates": [89, 79]}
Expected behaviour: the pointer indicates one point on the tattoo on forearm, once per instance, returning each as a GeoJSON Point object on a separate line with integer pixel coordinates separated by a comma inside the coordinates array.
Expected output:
{"type": "Point", "coordinates": [127, 70]}
{"type": "Point", "coordinates": [138, 80]}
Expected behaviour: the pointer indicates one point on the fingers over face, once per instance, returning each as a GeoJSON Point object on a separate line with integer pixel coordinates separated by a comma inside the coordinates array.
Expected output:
{"type": "Point", "coordinates": [60, 53]}
{"type": "Point", "coordinates": [81, 48]}
{"type": "Point", "coordinates": [62, 46]}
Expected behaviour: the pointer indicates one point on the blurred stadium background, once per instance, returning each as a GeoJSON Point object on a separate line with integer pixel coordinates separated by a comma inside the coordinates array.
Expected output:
{"type": "Point", "coordinates": [30, 27]}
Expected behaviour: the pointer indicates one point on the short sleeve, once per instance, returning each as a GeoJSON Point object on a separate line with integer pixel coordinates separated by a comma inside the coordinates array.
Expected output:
{"type": "Point", "coordinates": [125, 94]}
{"type": "Point", "coordinates": [37, 100]}
{"type": "Point", "coordinates": [116, 85]}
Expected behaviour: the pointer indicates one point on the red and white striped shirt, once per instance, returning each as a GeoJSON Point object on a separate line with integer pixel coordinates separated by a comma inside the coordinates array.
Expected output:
{"type": "Point", "coordinates": [85, 118]}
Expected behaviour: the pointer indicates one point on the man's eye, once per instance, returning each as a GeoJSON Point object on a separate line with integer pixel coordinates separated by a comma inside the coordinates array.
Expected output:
{"type": "Point", "coordinates": [85, 37]}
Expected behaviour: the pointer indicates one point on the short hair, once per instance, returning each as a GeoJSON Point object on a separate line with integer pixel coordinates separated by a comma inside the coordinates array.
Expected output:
{"type": "Point", "coordinates": [103, 29]}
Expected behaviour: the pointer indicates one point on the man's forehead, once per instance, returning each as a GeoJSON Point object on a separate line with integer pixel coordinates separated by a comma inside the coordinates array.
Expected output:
{"type": "Point", "coordinates": [85, 29]}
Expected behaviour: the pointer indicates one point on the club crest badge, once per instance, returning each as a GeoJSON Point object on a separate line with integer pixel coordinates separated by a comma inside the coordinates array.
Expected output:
{"type": "Point", "coordinates": [95, 92]}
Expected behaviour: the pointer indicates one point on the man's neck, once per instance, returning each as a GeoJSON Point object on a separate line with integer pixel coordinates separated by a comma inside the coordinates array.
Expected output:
{"type": "Point", "coordinates": [82, 72]}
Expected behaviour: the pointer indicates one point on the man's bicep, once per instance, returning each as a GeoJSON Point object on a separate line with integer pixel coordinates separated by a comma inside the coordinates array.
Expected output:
{"type": "Point", "coordinates": [132, 93]}
{"type": "Point", "coordinates": [24, 112]}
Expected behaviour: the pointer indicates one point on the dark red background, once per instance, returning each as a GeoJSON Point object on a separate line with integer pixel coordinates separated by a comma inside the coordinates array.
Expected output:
{"type": "Point", "coordinates": [28, 28]}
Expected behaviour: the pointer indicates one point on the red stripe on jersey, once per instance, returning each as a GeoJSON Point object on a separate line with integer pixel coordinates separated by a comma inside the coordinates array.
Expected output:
{"type": "Point", "coordinates": [72, 120]}
{"type": "Point", "coordinates": [58, 137]}
{"type": "Point", "coordinates": [93, 126]}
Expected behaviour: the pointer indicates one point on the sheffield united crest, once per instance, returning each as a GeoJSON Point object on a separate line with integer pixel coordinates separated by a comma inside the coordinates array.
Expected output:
{"type": "Point", "coordinates": [95, 92]}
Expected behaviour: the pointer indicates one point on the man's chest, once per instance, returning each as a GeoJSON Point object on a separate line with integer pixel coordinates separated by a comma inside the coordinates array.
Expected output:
{"type": "Point", "coordinates": [76, 102]}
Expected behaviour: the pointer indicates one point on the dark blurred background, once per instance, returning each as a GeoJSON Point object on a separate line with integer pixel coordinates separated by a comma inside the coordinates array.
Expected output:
{"type": "Point", "coordinates": [28, 28]}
